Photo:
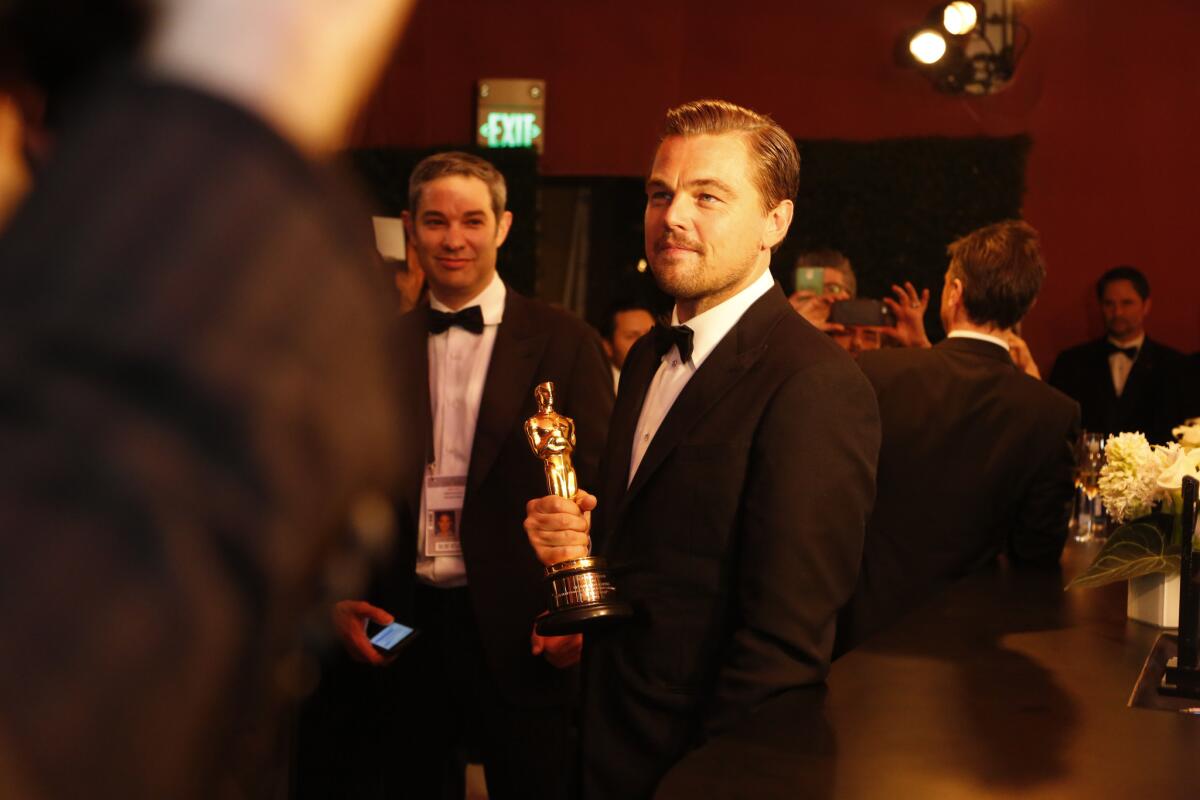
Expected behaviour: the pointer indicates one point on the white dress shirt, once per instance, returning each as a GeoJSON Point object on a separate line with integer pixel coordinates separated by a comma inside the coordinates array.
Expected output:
{"type": "Point", "coordinates": [983, 337]}
{"type": "Point", "coordinates": [458, 365]}
{"type": "Point", "coordinates": [1120, 364]}
{"type": "Point", "coordinates": [708, 329]}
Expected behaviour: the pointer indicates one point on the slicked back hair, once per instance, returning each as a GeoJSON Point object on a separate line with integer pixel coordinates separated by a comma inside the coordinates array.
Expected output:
{"type": "Point", "coordinates": [774, 153]}
{"type": "Point", "coordinates": [1000, 266]}
{"type": "Point", "coordinates": [441, 165]}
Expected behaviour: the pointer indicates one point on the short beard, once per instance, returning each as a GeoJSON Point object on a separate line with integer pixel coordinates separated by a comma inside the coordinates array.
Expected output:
{"type": "Point", "coordinates": [693, 286]}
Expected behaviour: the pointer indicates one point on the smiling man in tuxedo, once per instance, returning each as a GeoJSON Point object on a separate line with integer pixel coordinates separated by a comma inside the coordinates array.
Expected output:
{"type": "Point", "coordinates": [739, 470]}
{"type": "Point", "coordinates": [473, 679]}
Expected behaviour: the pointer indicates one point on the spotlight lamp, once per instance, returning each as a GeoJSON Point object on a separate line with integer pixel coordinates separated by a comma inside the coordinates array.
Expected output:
{"type": "Point", "coordinates": [959, 17]}
{"type": "Point", "coordinates": [927, 46]}
{"type": "Point", "coordinates": [966, 47]}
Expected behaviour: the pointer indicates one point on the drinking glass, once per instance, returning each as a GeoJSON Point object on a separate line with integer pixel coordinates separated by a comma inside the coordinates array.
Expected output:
{"type": "Point", "coordinates": [1088, 521]}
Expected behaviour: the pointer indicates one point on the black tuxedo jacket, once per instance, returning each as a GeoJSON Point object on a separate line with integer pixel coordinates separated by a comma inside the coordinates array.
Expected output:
{"type": "Point", "coordinates": [534, 343]}
{"type": "Point", "coordinates": [1159, 393]}
{"type": "Point", "coordinates": [737, 541]}
{"type": "Point", "coordinates": [977, 459]}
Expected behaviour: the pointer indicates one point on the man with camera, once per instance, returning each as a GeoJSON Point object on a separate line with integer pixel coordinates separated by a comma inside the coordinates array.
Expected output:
{"type": "Point", "coordinates": [825, 295]}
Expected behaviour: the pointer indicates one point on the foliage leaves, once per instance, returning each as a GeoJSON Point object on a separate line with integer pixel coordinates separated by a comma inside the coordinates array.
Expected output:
{"type": "Point", "coordinates": [1131, 551]}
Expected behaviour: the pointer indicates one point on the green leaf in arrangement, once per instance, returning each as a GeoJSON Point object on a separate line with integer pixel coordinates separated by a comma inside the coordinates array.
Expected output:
{"type": "Point", "coordinates": [1133, 550]}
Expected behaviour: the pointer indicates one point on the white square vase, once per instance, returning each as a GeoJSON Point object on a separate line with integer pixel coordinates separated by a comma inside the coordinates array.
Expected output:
{"type": "Point", "coordinates": [1154, 600]}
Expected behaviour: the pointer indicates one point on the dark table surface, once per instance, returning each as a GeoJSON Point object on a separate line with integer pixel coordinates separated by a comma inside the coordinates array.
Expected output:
{"type": "Point", "coordinates": [1004, 686]}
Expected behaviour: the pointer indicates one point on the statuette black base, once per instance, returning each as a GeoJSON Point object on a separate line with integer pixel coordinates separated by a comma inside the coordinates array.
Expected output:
{"type": "Point", "coordinates": [579, 597]}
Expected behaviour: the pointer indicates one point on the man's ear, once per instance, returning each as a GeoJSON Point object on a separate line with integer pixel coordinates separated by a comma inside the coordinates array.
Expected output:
{"type": "Point", "coordinates": [956, 291]}
{"type": "Point", "coordinates": [408, 227]}
{"type": "Point", "coordinates": [779, 219]}
{"type": "Point", "coordinates": [502, 226]}
{"type": "Point", "coordinates": [1146, 307]}
{"type": "Point", "coordinates": [607, 348]}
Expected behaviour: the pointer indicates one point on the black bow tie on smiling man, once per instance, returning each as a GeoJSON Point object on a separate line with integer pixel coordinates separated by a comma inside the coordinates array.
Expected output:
{"type": "Point", "coordinates": [469, 319]}
{"type": "Point", "coordinates": [1110, 348]}
{"type": "Point", "coordinates": [678, 335]}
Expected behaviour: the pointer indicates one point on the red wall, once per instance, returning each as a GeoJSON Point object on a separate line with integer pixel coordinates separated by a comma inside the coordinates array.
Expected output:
{"type": "Point", "coordinates": [1107, 89]}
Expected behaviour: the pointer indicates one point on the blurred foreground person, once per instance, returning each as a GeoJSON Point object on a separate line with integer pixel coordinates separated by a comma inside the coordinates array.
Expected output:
{"type": "Point", "coordinates": [977, 456]}
{"type": "Point", "coordinates": [194, 394]}
{"type": "Point", "coordinates": [15, 178]}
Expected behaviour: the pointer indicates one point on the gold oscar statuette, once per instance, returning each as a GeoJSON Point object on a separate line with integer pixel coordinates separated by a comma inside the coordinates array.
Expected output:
{"type": "Point", "coordinates": [579, 592]}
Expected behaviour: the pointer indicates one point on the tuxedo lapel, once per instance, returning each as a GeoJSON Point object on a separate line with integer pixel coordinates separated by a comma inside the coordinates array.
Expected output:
{"type": "Point", "coordinates": [1137, 380]}
{"type": "Point", "coordinates": [636, 376]}
{"type": "Point", "coordinates": [1103, 374]}
{"type": "Point", "coordinates": [737, 352]}
{"type": "Point", "coordinates": [507, 388]}
{"type": "Point", "coordinates": [413, 350]}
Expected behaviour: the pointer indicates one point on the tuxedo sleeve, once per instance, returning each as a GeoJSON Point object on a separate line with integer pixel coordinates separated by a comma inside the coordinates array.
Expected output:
{"type": "Point", "coordinates": [1040, 528]}
{"type": "Point", "coordinates": [808, 494]}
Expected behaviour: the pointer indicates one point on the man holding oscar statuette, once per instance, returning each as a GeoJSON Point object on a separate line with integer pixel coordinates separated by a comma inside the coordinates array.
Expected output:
{"type": "Point", "coordinates": [739, 470]}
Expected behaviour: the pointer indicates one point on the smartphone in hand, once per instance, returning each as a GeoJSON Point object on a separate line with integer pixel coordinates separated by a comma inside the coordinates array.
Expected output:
{"type": "Point", "coordinates": [389, 639]}
{"type": "Point", "coordinates": [865, 313]}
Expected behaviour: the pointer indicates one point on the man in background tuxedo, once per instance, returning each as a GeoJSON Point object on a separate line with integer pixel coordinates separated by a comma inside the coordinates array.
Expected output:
{"type": "Point", "coordinates": [624, 324]}
{"type": "Point", "coordinates": [739, 470]}
{"type": "Point", "coordinates": [1127, 381]}
{"type": "Point", "coordinates": [473, 678]}
{"type": "Point", "coordinates": [977, 456]}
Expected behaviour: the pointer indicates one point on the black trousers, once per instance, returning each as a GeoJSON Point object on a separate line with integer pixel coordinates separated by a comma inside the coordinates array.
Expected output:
{"type": "Point", "coordinates": [407, 730]}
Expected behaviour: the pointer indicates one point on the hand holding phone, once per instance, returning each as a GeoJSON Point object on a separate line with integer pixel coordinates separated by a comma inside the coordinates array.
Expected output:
{"type": "Point", "coordinates": [350, 620]}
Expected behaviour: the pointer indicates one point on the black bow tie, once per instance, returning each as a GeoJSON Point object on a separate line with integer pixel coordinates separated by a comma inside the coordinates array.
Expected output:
{"type": "Point", "coordinates": [678, 335]}
{"type": "Point", "coordinates": [1110, 348]}
{"type": "Point", "coordinates": [469, 319]}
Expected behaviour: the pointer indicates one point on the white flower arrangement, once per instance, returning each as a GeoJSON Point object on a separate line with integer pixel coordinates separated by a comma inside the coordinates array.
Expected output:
{"type": "Point", "coordinates": [1188, 434]}
{"type": "Point", "coordinates": [1129, 477]}
{"type": "Point", "coordinates": [1136, 474]}
{"type": "Point", "coordinates": [1137, 480]}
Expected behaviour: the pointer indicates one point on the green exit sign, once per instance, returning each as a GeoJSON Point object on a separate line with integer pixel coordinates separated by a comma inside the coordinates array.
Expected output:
{"type": "Point", "coordinates": [511, 112]}
{"type": "Point", "coordinates": [506, 129]}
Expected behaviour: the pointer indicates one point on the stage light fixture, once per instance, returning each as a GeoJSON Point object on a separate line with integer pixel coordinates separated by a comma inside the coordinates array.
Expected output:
{"type": "Point", "coordinates": [965, 47]}
{"type": "Point", "coordinates": [959, 18]}
{"type": "Point", "coordinates": [927, 46]}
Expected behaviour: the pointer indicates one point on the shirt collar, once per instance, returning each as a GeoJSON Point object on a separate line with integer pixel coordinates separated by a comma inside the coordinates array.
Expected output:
{"type": "Point", "coordinates": [709, 328]}
{"type": "Point", "coordinates": [1138, 342]}
{"type": "Point", "coordinates": [983, 337]}
{"type": "Point", "coordinates": [490, 301]}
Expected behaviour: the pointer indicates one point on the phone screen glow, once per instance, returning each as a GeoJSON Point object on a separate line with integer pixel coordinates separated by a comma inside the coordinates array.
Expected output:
{"type": "Point", "coordinates": [391, 636]}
